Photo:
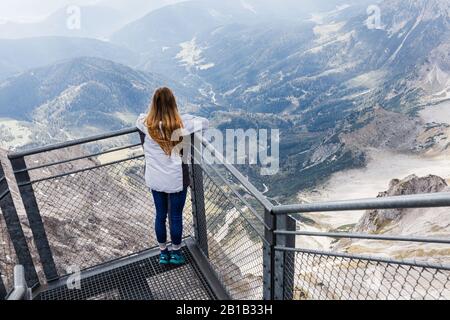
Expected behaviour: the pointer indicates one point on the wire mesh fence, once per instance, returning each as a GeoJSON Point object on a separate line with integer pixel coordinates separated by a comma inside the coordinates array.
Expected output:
{"type": "Point", "coordinates": [319, 276]}
{"type": "Point", "coordinates": [95, 211]}
{"type": "Point", "coordinates": [235, 239]}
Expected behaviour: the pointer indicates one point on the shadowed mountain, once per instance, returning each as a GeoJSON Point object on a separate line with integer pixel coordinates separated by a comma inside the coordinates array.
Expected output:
{"type": "Point", "coordinates": [77, 97]}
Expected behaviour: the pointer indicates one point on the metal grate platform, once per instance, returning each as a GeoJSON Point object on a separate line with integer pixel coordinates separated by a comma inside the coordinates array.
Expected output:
{"type": "Point", "coordinates": [144, 279]}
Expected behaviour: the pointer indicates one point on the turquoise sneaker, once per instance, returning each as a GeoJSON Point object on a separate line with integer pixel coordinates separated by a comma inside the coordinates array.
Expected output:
{"type": "Point", "coordinates": [176, 258]}
{"type": "Point", "coordinates": [164, 258]}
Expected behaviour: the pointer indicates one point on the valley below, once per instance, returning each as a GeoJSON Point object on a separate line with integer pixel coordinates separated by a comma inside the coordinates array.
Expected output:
{"type": "Point", "coordinates": [384, 167]}
{"type": "Point", "coordinates": [362, 113]}
{"type": "Point", "coordinates": [367, 182]}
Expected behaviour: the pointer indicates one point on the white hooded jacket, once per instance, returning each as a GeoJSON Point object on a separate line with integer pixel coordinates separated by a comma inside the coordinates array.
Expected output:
{"type": "Point", "coordinates": [164, 173]}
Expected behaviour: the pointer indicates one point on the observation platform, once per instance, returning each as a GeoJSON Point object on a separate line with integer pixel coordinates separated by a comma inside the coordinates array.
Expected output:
{"type": "Point", "coordinates": [141, 277]}
{"type": "Point", "coordinates": [84, 206]}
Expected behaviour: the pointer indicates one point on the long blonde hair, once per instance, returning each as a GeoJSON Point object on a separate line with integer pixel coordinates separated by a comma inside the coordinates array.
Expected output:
{"type": "Point", "coordinates": [163, 119]}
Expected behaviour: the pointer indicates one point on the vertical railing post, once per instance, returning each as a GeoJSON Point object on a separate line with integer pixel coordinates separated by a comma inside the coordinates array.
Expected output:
{"type": "Point", "coordinates": [15, 231]}
{"type": "Point", "coordinates": [284, 261]}
{"type": "Point", "coordinates": [34, 217]}
{"type": "Point", "coordinates": [198, 198]}
{"type": "Point", "coordinates": [268, 255]}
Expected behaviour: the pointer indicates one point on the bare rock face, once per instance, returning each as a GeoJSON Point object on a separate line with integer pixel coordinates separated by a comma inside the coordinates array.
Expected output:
{"type": "Point", "coordinates": [376, 221]}
{"type": "Point", "coordinates": [386, 130]}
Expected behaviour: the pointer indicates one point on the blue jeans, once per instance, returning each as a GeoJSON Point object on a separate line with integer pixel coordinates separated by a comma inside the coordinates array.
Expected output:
{"type": "Point", "coordinates": [171, 204]}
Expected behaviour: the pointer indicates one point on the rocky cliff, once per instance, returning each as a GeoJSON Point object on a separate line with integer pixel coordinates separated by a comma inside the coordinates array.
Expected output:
{"type": "Point", "coordinates": [421, 222]}
{"type": "Point", "coordinates": [381, 221]}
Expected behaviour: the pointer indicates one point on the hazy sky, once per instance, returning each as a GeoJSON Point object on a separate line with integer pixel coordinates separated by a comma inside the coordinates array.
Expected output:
{"type": "Point", "coordinates": [34, 9]}
{"type": "Point", "coordinates": [31, 10]}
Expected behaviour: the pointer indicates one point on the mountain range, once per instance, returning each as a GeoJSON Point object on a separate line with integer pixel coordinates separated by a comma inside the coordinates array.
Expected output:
{"type": "Point", "coordinates": [77, 97]}
{"type": "Point", "coordinates": [96, 20]}
{"type": "Point", "coordinates": [336, 87]}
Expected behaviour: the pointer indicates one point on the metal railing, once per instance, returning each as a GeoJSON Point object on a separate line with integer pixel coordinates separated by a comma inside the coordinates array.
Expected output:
{"type": "Point", "coordinates": [275, 267]}
{"type": "Point", "coordinates": [87, 204]}
{"type": "Point", "coordinates": [234, 227]}
{"type": "Point", "coordinates": [13, 244]}
{"type": "Point", "coordinates": [7, 254]}
{"type": "Point", "coordinates": [333, 274]}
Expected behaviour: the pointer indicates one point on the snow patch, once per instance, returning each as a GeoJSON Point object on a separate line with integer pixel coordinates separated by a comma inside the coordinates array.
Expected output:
{"type": "Point", "coordinates": [294, 101]}
{"type": "Point", "coordinates": [206, 66]}
{"type": "Point", "coordinates": [191, 56]}
{"type": "Point", "coordinates": [327, 32]}
{"type": "Point", "coordinates": [230, 92]}
{"type": "Point", "coordinates": [208, 92]}
{"type": "Point", "coordinates": [138, 85]}
{"type": "Point", "coordinates": [253, 89]}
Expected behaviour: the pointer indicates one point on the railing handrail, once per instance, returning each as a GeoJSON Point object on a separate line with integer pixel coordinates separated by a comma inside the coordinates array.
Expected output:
{"type": "Point", "coordinates": [428, 200]}
{"type": "Point", "coordinates": [244, 181]}
{"type": "Point", "coordinates": [96, 154]}
{"type": "Point", "coordinates": [62, 145]}
{"type": "Point", "coordinates": [61, 175]}
{"type": "Point", "coordinates": [276, 226]}
{"type": "Point", "coordinates": [394, 202]}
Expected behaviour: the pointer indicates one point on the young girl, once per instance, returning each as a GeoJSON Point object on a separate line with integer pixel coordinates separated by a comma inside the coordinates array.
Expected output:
{"type": "Point", "coordinates": [165, 174]}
